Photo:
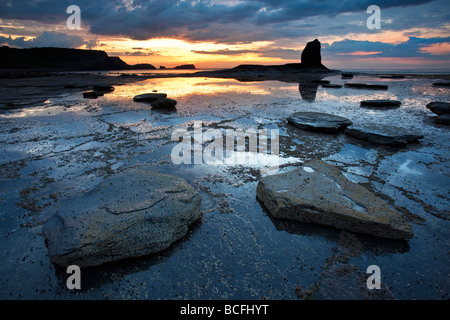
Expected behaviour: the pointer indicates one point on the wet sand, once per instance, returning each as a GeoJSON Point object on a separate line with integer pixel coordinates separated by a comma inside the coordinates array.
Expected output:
{"type": "Point", "coordinates": [55, 145]}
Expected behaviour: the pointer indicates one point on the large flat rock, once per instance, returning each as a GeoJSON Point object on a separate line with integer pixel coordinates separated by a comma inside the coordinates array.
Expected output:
{"type": "Point", "coordinates": [130, 214]}
{"type": "Point", "coordinates": [319, 193]}
{"type": "Point", "coordinates": [317, 121]}
{"type": "Point", "coordinates": [383, 134]}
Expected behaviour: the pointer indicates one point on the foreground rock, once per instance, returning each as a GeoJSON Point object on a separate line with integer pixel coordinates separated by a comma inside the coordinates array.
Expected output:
{"type": "Point", "coordinates": [130, 214]}
{"type": "Point", "coordinates": [317, 121]}
{"type": "Point", "coordinates": [319, 193]}
{"type": "Point", "coordinates": [149, 97]}
{"type": "Point", "coordinates": [383, 134]}
{"type": "Point", "coordinates": [439, 108]}
{"type": "Point", "coordinates": [380, 104]}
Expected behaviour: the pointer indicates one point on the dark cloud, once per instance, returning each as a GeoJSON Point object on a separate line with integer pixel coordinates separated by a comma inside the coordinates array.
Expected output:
{"type": "Point", "coordinates": [48, 39]}
{"type": "Point", "coordinates": [203, 20]}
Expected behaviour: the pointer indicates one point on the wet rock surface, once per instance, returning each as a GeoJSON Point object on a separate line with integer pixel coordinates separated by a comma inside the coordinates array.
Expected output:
{"type": "Point", "coordinates": [318, 193]}
{"type": "Point", "coordinates": [55, 146]}
{"type": "Point", "coordinates": [130, 214]}
{"type": "Point", "coordinates": [383, 134]}
{"type": "Point", "coordinates": [317, 121]}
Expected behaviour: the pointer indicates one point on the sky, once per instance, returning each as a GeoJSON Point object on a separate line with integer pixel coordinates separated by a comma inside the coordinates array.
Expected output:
{"type": "Point", "coordinates": [225, 33]}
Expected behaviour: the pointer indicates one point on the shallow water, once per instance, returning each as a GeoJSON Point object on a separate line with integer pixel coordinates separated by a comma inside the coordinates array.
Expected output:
{"type": "Point", "coordinates": [65, 146]}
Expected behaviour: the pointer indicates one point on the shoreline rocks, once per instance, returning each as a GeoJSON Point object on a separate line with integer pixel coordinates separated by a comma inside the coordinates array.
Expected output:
{"type": "Point", "coordinates": [130, 214]}
{"type": "Point", "coordinates": [317, 121]}
{"type": "Point", "coordinates": [319, 193]}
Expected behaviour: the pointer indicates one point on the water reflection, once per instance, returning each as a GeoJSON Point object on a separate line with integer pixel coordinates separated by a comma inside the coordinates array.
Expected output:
{"type": "Point", "coordinates": [308, 90]}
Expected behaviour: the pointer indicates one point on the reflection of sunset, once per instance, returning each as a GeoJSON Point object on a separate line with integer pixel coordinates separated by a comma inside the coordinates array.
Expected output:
{"type": "Point", "coordinates": [179, 87]}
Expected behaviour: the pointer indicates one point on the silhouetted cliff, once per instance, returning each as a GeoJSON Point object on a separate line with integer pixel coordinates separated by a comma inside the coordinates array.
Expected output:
{"type": "Point", "coordinates": [62, 59]}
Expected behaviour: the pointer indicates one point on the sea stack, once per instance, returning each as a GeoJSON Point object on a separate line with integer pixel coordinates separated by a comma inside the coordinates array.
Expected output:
{"type": "Point", "coordinates": [311, 55]}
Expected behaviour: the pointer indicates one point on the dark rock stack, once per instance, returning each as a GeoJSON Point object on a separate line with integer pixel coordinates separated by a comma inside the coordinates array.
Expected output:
{"type": "Point", "coordinates": [311, 56]}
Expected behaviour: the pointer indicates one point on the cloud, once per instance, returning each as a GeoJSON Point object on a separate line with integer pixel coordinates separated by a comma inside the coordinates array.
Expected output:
{"type": "Point", "coordinates": [48, 39]}
{"type": "Point", "coordinates": [411, 48]}
{"type": "Point", "coordinates": [209, 20]}
{"type": "Point", "coordinates": [262, 52]}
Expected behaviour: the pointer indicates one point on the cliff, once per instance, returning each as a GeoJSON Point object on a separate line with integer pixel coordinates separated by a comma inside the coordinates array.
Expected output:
{"type": "Point", "coordinates": [62, 59]}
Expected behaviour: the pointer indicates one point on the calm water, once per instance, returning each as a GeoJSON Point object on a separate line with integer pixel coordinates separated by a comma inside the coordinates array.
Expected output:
{"type": "Point", "coordinates": [65, 146]}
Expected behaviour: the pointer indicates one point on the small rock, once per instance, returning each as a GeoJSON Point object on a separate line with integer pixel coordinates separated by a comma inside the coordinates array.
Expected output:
{"type": "Point", "coordinates": [380, 103]}
{"type": "Point", "coordinates": [164, 103]}
{"type": "Point", "coordinates": [347, 76]}
{"type": "Point", "coordinates": [319, 193]}
{"type": "Point", "coordinates": [92, 94]}
{"type": "Point", "coordinates": [336, 86]}
{"type": "Point", "coordinates": [366, 86]}
{"type": "Point", "coordinates": [320, 81]}
{"type": "Point", "coordinates": [392, 77]}
{"type": "Point", "coordinates": [383, 134]}
{"type": "Point", "coordinates": [443, 119]}
{"type": "Point", "coordinates": [149, 97]}
{"type": "Point", "coordinates": [102, 87]}
{"type": "Point", "coordinates": [317, 121]}
{"type": "Point", "coordinates": [439, 108]}
{"type": "Point", "coordinates": [130, 214]}
{"type": "Point", "coordinates": [441, 84]}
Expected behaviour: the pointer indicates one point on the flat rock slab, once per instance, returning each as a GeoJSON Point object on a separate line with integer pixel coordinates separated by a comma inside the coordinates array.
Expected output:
{"type": "Point", "coordinates": [130, 214]}
{"type": "Point", "coordinates": [439, 108]}
{"type": "Point", "coordinates": [383, 104]}
{"type": "Point", "coordinates": [149, 97]}
{"type": "Point", "coordinates": [317, 121]}
{"type": "Point", "coordinates": [320, 81]}
{"type": "Point", "coordinates": [319, 193]}
{"type": "Point", "coordinates": [383, 134]}
{"type": "Point", "coordinates": [366, 86]}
